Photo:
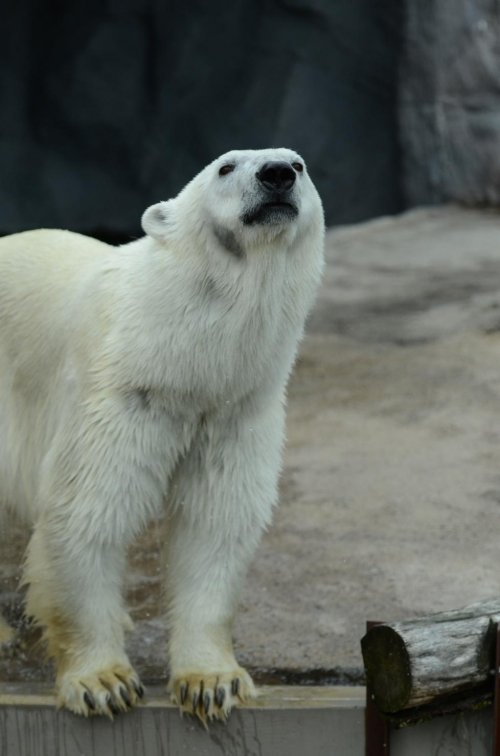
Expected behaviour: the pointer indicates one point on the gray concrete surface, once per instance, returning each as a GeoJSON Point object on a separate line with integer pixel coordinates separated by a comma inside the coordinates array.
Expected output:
{"type": "Point", "coordinates": [282, 722]}
{"type": "Point", "coordinates": [391, 489]}
{"type": "Point", "coordinates": [391, 493]}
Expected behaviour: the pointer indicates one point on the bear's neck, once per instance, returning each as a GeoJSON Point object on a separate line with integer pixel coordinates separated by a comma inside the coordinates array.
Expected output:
{"type": "Point", "coordinates": [210, 325]}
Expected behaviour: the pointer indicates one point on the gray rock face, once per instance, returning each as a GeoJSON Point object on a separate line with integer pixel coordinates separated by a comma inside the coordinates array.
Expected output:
{"type": "Point", "coordinates": [450, 102]}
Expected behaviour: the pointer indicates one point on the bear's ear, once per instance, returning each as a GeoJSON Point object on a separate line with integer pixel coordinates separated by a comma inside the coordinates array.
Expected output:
{"type": "Point", "coordinates": [155, 220]}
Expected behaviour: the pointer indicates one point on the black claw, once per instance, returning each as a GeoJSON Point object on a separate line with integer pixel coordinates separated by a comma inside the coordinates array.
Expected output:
{"type": "Point", "coordinates": [235, 686]}
{"type": "Point", "coordinates": [220, 697]}
{"type": "Point", "coordinates": [125, 697]}
{"type": "Point", "coordinates": [112, 706]}
{"type": "Point", "coordinates": [89, 701]}
{"type": "Point", "coordinates": [184, 693]}
{"type": "Point", "coordinates": [138, 688]}
{"type": "Point", "coordinates": [206, 702]}
{"type": "Point", "coordinates": [195, 701]}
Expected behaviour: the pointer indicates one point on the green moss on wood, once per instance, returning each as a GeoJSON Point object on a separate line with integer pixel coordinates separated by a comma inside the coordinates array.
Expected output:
{"type": "Point", "coordinates": [388, 671]}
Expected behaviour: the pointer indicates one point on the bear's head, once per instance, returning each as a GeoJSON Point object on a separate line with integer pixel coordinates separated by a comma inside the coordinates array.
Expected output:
{"type": "Point", "coordinates": [244, 199]}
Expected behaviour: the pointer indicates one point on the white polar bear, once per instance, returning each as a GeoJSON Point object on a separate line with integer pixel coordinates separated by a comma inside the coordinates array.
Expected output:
{"type": "Point", "coordinates": [147, 377]}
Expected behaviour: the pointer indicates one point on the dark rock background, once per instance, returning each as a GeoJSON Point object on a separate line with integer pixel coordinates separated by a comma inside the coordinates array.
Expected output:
{"type": "Point", "coordinates": [109, 106]}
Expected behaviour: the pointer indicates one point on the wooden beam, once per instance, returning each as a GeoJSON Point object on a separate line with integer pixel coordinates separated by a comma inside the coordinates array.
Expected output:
{"type": "Point", "coordinates": [418, 662]}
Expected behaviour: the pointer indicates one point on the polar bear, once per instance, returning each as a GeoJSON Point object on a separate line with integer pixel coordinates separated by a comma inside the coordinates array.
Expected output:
{"type": "Point", "coordinates": [146, 378]}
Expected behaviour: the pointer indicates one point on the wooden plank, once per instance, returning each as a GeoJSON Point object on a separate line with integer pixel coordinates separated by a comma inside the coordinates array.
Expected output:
{"type": "Point", "coordinates": [467, 734]}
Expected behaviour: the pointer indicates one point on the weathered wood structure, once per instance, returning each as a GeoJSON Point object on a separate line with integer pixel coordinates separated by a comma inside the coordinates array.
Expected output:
{"type": "Point", "coordinates": [431, 659]}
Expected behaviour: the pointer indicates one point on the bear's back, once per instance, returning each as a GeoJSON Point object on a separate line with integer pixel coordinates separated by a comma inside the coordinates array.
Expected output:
{"type": "Point", "coordinates": [46, 277]}
{"type": "Point", "coordinates": [38, 267]}
{"type": "Point", "coordinates": [43, 254]}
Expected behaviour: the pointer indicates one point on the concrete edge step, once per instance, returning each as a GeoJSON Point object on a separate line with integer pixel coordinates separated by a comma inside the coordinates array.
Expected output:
{"type": "Point", "coordinates": [269, 696]}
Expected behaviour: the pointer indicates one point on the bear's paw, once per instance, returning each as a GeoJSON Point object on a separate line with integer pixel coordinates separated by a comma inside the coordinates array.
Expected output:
{"type": "Point", "coordinates": [210, 696]}
{"type": "Point", "coordinates": [107, 692]}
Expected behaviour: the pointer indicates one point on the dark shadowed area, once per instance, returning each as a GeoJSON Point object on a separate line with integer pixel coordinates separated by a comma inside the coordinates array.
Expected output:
{"type": "Point", "coordinates": [109, 107]}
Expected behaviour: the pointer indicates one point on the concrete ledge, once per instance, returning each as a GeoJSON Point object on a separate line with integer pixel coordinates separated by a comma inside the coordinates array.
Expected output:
{"type": "Point", "coordinates": [283, 721]}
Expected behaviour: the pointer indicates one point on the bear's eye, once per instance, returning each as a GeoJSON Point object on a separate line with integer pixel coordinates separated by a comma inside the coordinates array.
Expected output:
{"type": "Point", "coordinates": [228, 168]}
{"type": "Point", "coordinates": [298, 167]}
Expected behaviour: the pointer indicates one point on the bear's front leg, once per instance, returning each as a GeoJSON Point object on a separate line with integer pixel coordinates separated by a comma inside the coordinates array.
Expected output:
{"type": "Point", "coordinates": [74, 593]}
{"type": "Point", "coordinates": [206, 569]}
{"type": "Point", "coordinates": [224, 494]}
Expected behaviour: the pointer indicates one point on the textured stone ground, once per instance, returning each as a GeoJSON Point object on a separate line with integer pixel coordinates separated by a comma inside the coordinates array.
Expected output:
{"type": "Point", "coordinates": [391, 490]}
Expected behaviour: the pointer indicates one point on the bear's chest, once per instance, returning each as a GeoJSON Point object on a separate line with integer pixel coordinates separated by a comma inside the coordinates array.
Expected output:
{"type": "Point", "coordinates": [227, 355]}
{"type": "Point", "coordinates": [215, 340]}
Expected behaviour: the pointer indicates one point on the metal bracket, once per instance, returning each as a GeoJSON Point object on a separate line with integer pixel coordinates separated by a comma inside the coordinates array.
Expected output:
{"type": "Point", "coordinates": [496, 696]}
{"type": "Point", "coordinates": [377, 727]}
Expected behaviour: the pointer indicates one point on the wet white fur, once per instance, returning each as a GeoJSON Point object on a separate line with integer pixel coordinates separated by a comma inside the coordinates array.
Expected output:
{"type": "Point", "coordinates": [145, 377]}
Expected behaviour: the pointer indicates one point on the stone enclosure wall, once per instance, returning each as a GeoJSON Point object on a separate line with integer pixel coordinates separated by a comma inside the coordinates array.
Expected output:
{"type": "Point", "coordinates": [108, 107]}
{"type": "Point", "coordinates": [450, 102]}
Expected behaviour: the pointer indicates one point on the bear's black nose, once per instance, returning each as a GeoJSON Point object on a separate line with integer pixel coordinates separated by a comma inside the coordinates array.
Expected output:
{"type": "Point", "coordinates": [277, 176]}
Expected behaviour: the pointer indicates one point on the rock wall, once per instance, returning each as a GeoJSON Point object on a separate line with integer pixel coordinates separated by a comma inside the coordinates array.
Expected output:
{"type": "Point", "coordinates": [450, 102]}
{"type": "Point", "coordinates": [108, 107]}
